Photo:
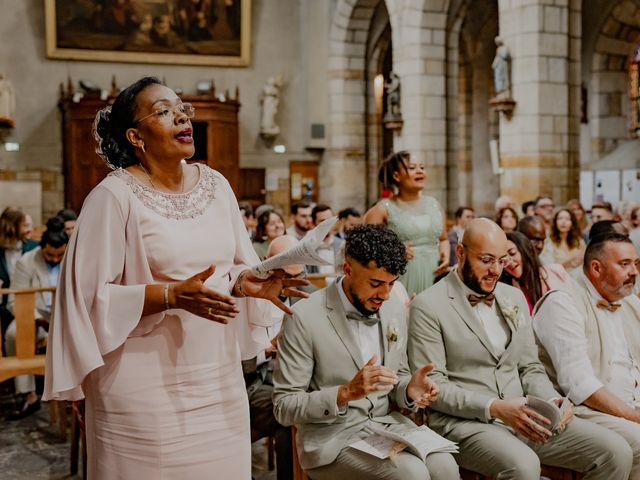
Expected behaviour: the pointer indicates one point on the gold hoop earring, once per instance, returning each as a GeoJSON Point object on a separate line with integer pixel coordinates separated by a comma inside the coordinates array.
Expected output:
{"type": "Point", "coordinates": [143, 149]}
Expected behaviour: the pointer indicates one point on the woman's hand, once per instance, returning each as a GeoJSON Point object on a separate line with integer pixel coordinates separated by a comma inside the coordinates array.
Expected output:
{"type": "Point", "coordinates": [278, 284]}
{"type": "Point", "coordinates": [191, 295]}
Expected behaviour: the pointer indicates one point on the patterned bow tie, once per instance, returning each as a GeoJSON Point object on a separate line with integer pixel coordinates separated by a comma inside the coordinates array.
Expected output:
{"type": "Point", "coordinates": [368, 321]}
{"type": "Point", "coordinates": [612, 307]}
{"type": "Point", "coordinates": [486, 299]}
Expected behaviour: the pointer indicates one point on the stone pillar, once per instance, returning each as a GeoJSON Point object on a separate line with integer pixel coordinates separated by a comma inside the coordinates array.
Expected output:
{"type": "Point", "coordinates": [419, 52]}
{"type": "Point", "coordinates": [539, 145]}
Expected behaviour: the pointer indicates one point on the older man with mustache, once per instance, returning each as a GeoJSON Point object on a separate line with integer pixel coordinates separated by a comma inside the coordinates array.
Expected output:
{"type": "Point", "coordinates": [589, 339]}
{"type": "Point", "coordinates": [478, 334]}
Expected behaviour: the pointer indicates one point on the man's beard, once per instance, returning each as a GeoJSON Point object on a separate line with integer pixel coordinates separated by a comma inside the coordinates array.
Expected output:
{"type": "Point", "coordinates": [359, 304]}
{"type": "Point", "coordinates": [471, 280]}
{"type": "Point", "coordinates": [305, 228]}
{"type": "Point", "coordinates": [625, 289]}
{"type": "Point", "coordinates": [52, 264]}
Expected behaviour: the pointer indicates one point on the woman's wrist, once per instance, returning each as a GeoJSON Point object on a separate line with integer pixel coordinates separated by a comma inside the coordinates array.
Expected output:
{"type": "Point", "coordinates": [238, 291]}
{"type": "Point", "coordinates": [169, 296]}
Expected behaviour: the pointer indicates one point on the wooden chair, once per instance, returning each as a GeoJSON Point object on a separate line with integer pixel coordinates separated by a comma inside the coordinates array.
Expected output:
{"type": "Point", "coordinates": [319, 280]}
{"type": "Point", "coordinates": [26, 361]}
{"type": "Point", "coordinates": [298, 472]}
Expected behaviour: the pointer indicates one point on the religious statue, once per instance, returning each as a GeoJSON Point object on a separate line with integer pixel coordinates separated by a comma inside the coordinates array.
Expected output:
{"type": "Point", "coordinates": [393, 96]}
{"type": "Point", "coordinates": [270, 100]}
{"type": "Point", "coordinates": [7, 102]}
{"type": "Point", "coordinates": [502, 69]}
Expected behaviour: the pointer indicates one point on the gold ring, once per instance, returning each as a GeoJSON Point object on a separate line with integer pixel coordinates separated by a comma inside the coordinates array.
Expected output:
{"type": "Point", "coordinates": [210, 311]}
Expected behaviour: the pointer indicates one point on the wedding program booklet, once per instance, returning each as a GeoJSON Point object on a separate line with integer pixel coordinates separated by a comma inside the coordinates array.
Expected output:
{"type": "Point", "coordinates": [549, 410]}
{"type": "Point", "coordinates": [420, 441]}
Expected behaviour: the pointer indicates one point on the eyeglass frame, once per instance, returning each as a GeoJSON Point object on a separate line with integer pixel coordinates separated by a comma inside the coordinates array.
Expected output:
{"type": "Point", "coordinates": [185, 105]}
{"type": "Point", "coordinates": [488, 260]}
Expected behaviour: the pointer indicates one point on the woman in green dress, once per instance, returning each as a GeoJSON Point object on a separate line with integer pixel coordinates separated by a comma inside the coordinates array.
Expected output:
{"type": "Point", "coordinates": [417, 219]}
{"type": "Point", "coordinates": [270, 225]}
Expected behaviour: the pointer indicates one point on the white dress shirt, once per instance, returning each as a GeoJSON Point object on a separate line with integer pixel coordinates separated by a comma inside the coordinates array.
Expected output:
{"type": "Point", "coordinates": [368, 336]}
{"type": "Point", "coordinates": [560, 328]}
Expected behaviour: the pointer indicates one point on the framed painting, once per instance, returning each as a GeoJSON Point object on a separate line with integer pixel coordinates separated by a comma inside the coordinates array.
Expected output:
{"type": "Point", "coordinates": [177, 32]}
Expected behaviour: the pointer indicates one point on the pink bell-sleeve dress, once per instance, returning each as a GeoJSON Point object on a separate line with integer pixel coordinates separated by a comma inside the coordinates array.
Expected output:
{"type": "Point", "coordinates": [165, 396]}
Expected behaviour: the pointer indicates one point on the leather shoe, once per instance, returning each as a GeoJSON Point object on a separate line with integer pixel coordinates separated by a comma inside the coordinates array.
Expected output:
{"type": "Point", "coordinates": [26, 410]}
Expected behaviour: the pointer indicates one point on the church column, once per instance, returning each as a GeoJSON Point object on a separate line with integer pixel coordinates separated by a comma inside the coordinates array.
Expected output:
{"type": "Point", "coordinates": [419, 52]}
{"type": "Point", "coordinates": [539, 145]}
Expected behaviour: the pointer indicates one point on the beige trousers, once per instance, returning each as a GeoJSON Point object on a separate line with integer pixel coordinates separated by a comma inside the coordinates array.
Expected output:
{"type": "Point", "coordinates": [493, 449]}
{"type": "Point", "coordinates": [23, 383]}
{"type": "Point", "coordinates": [627, 429]}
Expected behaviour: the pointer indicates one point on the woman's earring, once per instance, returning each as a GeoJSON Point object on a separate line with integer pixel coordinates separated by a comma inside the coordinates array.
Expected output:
{"type": "Point", "coordinates": [143, 149]}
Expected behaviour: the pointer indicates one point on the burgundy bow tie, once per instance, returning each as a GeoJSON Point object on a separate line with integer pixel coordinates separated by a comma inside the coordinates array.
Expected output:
{"type": "Point", "coordinates": [612, 307]}
{"type": "Point", "coordinates": [486, 299]}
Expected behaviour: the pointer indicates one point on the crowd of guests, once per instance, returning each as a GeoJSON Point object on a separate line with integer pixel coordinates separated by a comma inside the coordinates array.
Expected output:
{"type": "Point", "coordinates": [27, 263]}
{"type": "Point", "coordinates": [485, 328]}
{"type": "Point", "coordinates": [156, 304]}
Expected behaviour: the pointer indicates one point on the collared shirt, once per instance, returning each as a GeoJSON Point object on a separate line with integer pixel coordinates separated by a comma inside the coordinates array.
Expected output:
{"type": "Point", "coordinates": [560, 328]}
{"type": "Point", "coordinates": [53, 272]}
{"type": "Point", "coordinates": [368, 337]}
{"type": "Point", "coordinates": [494, 326]}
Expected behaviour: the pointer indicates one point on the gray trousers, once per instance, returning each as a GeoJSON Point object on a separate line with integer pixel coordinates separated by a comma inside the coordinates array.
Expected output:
{"type": "Point", "coordinates": [493, 449]}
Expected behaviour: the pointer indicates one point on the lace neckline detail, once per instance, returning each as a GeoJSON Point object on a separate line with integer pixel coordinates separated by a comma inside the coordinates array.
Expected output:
{"type": "Point", "coordinates": [176, 206]}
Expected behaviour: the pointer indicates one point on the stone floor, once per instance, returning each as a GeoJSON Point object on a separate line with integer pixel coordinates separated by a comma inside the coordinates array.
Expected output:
{"type": "Point", "coordinates": [31, 449]}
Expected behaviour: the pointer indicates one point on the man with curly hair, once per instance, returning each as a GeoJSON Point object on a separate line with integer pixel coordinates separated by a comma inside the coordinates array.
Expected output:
{"type": "Point", "coordinates": [342, 363]}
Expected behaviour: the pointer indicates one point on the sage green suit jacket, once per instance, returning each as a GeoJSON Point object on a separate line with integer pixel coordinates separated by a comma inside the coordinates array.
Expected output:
{"type": "Point", "coordinates": [444, 329]}
{"type": "Point", "coordinates": [318, 352]}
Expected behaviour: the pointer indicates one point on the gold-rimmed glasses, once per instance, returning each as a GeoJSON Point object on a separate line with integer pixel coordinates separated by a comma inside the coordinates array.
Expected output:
{"type": "Point", "coordinates": [489, 261]}
{"type": "Point", "coordinates": [170, 112]}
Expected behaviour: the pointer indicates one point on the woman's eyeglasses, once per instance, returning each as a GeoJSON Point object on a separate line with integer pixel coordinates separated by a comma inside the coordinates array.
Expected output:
{"type": "Point", "coordinates": [166, 113]}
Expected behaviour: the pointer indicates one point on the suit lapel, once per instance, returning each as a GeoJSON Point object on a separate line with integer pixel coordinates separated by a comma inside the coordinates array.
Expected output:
{"type": "Point", "coordinates": [338, 319]}
{"type": "Point", "coordinates": [463, 308]}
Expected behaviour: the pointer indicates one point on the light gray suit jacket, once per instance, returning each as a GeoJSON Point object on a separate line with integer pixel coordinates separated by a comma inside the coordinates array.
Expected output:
{"type": "Point", "coordinates": [31, 272]}
{"type": "Point", "coordinates": [444, 329]}
{"type": "Point", "coordinates": [318, 352]}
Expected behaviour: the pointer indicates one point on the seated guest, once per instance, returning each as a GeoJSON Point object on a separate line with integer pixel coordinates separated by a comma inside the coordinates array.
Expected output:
{"type": "Point", "coordinates": [589, 338]}
{"type": "Point", "coordinates": [347, 218]}
{"type": "Point", "coordinates": [15, 228]}
{"type": "Point", "coordinates": [581, 215]}
{"type": "Point", "coordinates": [533, 228]}
{"type": "Point", "coordinates": [544, 209]}
{"type": "Point", "coordinates": [528, 208]}
{"type": "Point", "coordinates": [248, 217]}
{"type": "Point", "coordinates": [300, 220]}
{"type": "Point", "coordinates": [463, 216]}
{"type": "Point", "coordinates": [270, 226]}
{"type": "Point", "coordinates": [507, 219]}
{"type": "Point", "coordinates": [601, 211]}
{"type": "Point", "coordinates": [565, 244]}
{"type": "Point", "coordinates": [258, 374]}
{"type": "Point", "coordinates": [525, 272]}
{"type": "Point", "coordinates": [606, 227]}
{"type": "Point", "coordinates": [69, 218]}
{"type": "Point", "coordinates": [330, 248]}
{"type": "Point", "coordinates": [342, 363]}
{"type": "Point", "coordinates": [477, 332]}
{"type": "Point", "coordinates": [39, 268]}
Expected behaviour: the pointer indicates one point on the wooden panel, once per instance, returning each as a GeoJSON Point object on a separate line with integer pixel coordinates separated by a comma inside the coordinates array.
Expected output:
{"type": "Point", "coordinates": [252, 186]}
{"type": "Point", "coordinates": [303, 180]}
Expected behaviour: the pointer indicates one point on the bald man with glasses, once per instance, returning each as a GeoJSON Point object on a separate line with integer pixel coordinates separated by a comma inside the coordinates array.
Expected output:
{"type": "Point", "coordinates": [478, 334]}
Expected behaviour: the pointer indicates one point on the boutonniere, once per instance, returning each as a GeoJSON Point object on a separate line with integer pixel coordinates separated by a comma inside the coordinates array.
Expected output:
{"type": "Point", "coordinates": [393, 336]}
{"type": "Point", "coordinates": [510, 313]}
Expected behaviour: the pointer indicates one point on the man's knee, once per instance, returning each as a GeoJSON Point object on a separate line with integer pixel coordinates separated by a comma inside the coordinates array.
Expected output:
{"type": "Point", "coordinates": [409, 467]}
{"type": "Point", "coordinates": [442, 466]}
{"type": "Point", "coordinates": [523, 467]}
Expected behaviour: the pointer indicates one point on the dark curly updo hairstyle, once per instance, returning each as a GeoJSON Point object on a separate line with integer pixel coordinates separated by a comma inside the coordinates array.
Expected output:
{"type": "Point", "coordinates": [368, 242]}
{"type": "Point", "coordinates": [391, 165]}
{"type": "Point", "coordinates": [112, 123]}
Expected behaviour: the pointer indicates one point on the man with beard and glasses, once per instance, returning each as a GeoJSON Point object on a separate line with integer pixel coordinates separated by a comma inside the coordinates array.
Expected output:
{"type": "Point", "coordinates": [39, 268]}
{"type": "Point", "coordinates": [478, 334]}
{"type": "Point", "coordinates": [589, 337]}
{"type": "Point", "coordinates": [342, 363]}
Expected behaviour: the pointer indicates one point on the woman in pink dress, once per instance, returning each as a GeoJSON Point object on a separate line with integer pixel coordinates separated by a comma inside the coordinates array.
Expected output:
{"type": "Point", "coordinates": [150, 322]}
{"type": "Point", "coordinates": [526, 273]}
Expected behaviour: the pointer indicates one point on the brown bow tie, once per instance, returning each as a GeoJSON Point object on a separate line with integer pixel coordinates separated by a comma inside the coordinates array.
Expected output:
{"type": "Point", "coordinates": [612, 307]}
{"type": "Point", "coordinates": [486, 299]}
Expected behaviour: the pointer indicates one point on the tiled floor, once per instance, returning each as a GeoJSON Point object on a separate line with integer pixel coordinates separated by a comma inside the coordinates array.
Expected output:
{"type": "Point", "coordinates": [31, 449]}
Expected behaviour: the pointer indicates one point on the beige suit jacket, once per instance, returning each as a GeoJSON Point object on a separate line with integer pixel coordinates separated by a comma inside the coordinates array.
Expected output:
{"type": "Point", "coordinates": [444, 329]}
{"type": "Point", "coordinates": [31, 272]}
{"type": "Point", "coordinates": [318, 352]}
